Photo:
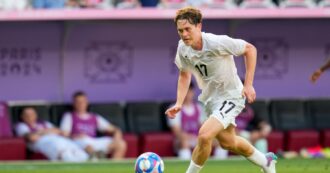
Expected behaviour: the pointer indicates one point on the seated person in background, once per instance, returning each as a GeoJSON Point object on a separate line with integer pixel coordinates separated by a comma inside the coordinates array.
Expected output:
{"type": "Point", "coordinates": [89, 3]}
{"type": "Point", "coordinates": [14, 4]}
{"type": "Point", "coordinates": [297, 3]}
{"type": "Point", "coordinates": [258, 4]}
{"type": "Point", "coordinates": [82, 126]}
{"type": "Point", "coordinates": [253, 128]}
{"type": "Point", "coordinates": [43, 137]}
{"type": "Point", "coordinates": [183, 3]}
{"type": "Point", "coordinates": [316, 75]}
{"type": "Point", "coordinates": [324, 3]}
{"type": "Point", "coordinates": [126, 4]}
{"type": "Point", "coordinates": [222, 4]}
{"type": "Point", "coordinates": [186, 125]}
{"type": "Point", "coordinates": [198, 3]}
{"type": "Point", "coordinates": [48, 4]}
{"type": "Point", "coordinates": [172, 3]}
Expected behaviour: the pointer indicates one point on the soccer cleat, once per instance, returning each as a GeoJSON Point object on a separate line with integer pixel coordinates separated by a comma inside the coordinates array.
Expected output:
{"type": "Point", "coordinates": [271, 161]}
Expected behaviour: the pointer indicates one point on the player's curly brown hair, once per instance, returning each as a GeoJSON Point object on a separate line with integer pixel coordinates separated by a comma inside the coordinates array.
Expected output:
{"type": "Point", "coordinates": [193, 15]}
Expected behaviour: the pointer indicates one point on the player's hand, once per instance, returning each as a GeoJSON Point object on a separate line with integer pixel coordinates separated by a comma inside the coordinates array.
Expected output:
{"type": "Point", "coordinates": [316, 75]}
{"type": "Point", "coordinates": [249, 93]}
{"type": "Point", "coordinates": [172, 111]}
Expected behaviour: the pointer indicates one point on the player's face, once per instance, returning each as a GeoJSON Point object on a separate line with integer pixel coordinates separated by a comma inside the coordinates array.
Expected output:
{"type": "Point", "coordinates": [80, 103]}
{"type": "Point", "coordinates": [29, 116]}
{"type": "Point", "coordinates": [189, 33]}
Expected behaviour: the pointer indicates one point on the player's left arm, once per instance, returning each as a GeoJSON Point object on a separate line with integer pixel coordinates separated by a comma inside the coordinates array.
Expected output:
{"type": "Point", "coordinates": [250, 58]}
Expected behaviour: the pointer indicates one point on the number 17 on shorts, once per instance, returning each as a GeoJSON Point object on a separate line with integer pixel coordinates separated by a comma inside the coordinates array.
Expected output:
{"type": "Point", "coordinates": [227, 111]}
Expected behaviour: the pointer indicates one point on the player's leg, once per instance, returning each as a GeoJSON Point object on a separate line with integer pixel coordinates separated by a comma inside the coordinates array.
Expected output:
{"type": "Point", "coordinates": [207, 133]}
{"type": "Point", "coordinates": [228, 140]}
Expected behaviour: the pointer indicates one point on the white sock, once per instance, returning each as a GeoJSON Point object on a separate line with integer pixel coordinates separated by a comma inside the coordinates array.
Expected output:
{"type": "Point", "coordinates": [220, 153]}
{"type": "Point", "coordinates": [184, 154]}
{"type": "Point", "coordinates": [258, 158]}
{"type": "Point", "coordinates": [193, 168]}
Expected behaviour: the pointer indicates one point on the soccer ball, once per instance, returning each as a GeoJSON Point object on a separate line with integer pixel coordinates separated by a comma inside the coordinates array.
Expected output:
{"type": "Point", "coordinates": [149, 163]}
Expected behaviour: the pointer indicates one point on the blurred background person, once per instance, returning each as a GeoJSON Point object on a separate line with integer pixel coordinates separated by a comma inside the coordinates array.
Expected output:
{"type": "Point", "coordinates": [172, 3]}
{"type": "Point", "coordinates": [186, 125]}
{"type": "Point", "coordinates": [103, 4]}
{"type": "Point", "coordinates": [14, 4]}
{"type": "Point", "coordinates": [82, 126]}
{"type": "Point", "coordinates": [258, 4]}
{"type": "Point", "coordinates": [126, 4]}
{"type": "Point", "coordinates": [253, 128]}
{"type": "Point", "coordinates": [48, 4]}
{"type": "Point", "coordinates": [43, 137]}
{"type": "Point", "coordinates": [297, 3]}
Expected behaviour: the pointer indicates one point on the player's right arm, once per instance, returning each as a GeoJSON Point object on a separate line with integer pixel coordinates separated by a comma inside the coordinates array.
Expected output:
{"type": "Point", "coordinates": [316, 75]}
{"type": "Point", "coordinates": [183, 82]}
{"type": "Point", "coordinates": [183, 85]}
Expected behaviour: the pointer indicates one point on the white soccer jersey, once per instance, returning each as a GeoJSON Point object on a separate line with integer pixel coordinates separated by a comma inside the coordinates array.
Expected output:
{"type": "Point", "coordinates": [213, 66]}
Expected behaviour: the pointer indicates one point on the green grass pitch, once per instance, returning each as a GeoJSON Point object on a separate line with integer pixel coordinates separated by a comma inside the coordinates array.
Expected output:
{"type": "Point", "coordinates": [171, 166]}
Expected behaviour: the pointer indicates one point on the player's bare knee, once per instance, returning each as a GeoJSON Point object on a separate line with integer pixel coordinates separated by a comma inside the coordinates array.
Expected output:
{"type": "Point", "coordinates": [227, 146]}
{"type": "Point", "coordinates": [205, 138]}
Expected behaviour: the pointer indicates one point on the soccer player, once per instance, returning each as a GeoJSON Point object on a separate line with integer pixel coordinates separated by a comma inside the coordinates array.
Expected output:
{"type": "Point", "coordinates": [316, 75]}
{"type": "Point", "coordinates": [43, 137]}
{"type": "Point", "coordinates": [210, 58]}
{"type": "Point", "coordinates": [82, 127]}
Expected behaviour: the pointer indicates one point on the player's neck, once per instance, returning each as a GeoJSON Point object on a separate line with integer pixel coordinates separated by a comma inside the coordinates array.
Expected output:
{"type": "Point", "coordinates": [198, 45]}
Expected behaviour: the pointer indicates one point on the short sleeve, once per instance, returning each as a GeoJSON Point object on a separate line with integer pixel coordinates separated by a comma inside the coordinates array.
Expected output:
{"type": "Point", "coordinates": [22, 129]}
{"type": "Point", "coordinates": [102, 123]}
{"type": "Point", "coordinates": [66, 123]}
{"type": "Point", "coordinates": [231, 46]}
